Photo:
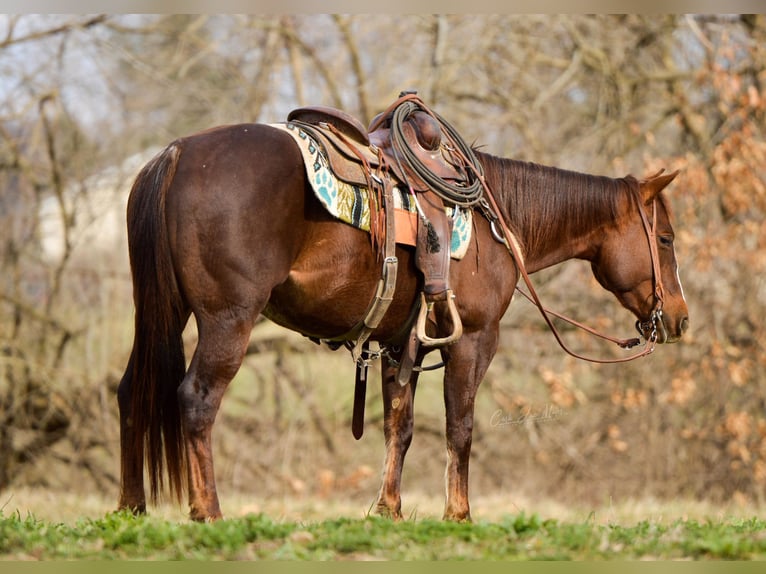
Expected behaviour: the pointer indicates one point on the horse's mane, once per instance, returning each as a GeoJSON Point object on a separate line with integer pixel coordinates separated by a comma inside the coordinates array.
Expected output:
{"type": "Point", "coordinates": [546, 204]}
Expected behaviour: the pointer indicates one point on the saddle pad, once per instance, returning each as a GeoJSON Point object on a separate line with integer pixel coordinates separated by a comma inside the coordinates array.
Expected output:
{"type": "Point", "coordinates": [350, 203]}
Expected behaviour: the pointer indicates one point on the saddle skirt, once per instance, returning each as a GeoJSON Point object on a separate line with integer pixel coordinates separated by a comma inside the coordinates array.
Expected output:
{"type": "Point", "coordinates": [346, 197]}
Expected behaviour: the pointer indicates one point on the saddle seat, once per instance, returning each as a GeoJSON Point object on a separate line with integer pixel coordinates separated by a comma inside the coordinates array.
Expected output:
{"type": "Point", "coordinates": [352, 151]}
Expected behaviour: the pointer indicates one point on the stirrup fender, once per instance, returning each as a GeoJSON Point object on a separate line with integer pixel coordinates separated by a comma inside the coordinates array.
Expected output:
{"type": "Point", "coordinates": [457, 330]}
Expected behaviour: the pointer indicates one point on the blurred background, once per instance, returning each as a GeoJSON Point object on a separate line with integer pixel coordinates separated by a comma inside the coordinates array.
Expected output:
{"type": "Point", "coordinates": [86, 100]}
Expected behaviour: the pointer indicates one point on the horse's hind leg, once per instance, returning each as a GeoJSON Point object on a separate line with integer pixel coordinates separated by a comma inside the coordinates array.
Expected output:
{"type": "Point", "coordinates": [397, 427]}
{"type": "Point", "coordinates": [132, 495]}
{"type": "Point", "coordinates": [221, 348]}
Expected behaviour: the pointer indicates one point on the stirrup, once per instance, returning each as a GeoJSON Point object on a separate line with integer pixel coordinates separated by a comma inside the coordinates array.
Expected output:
{"type": "Point", "coordinates": [457, 330]}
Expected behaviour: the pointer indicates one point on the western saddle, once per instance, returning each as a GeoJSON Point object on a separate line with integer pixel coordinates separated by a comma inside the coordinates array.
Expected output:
{"type": "Point", "coordinates": [411, 147]}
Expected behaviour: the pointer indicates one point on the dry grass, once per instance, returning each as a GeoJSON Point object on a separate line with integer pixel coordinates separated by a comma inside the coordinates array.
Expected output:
{"type": "Point", "coordinates": [66, 507]}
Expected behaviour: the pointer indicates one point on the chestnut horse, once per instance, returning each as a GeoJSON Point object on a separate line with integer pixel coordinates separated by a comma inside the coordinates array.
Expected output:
{"type": "Point", "coordinates": [224, 225]}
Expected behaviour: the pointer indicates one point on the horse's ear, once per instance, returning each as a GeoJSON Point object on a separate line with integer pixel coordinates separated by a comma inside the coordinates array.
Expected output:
{"type": "Point", "coordinates": [653, 185]}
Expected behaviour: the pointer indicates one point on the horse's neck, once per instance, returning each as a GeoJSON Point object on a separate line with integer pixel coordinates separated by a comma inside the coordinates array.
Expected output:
{"type": "Point", "coordinates": [557, 214]}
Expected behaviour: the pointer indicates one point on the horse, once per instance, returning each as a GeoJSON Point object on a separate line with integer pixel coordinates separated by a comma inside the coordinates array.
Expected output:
{"type": "Point", "coordinates": [223, 225]}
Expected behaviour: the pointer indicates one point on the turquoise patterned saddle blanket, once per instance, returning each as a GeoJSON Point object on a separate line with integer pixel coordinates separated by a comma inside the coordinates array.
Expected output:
{"type": "Point", "coordinates": [350, 204]}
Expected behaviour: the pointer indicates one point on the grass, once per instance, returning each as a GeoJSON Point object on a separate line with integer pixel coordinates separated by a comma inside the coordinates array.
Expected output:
{"type": "Point", "coordinates": [38, 524]}
{"type": "Point", "coordinates": [257, 536]}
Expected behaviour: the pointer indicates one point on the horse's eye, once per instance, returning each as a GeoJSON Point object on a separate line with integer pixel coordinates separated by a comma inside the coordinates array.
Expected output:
{"type": "Point", "coordinates": [665, 240]}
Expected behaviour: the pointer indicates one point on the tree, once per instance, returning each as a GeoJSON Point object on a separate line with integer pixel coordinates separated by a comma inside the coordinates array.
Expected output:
{"type": "Point", "coordinates": [610, 94]}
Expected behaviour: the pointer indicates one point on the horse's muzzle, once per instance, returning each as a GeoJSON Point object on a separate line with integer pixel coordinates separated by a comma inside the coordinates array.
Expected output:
{"type": "Point", "coordinates": [670, 337]}
{"type": "Point", "coordinates": [655, 329]}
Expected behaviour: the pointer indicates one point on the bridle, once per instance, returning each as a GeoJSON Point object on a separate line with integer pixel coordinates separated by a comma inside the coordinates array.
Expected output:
{"type": "Point", "coordinates": [652, 325]}
{"type": "Point", "coordinates": [655, 318]}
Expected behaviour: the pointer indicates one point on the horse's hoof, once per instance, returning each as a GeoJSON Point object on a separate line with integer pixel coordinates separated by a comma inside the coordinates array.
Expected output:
{"type": "Point", "coordinates": [457, 517]}
{"type": "Point", "coordinates": [387, 512]}
{"type": "Point", "coordinates": [134, 509]}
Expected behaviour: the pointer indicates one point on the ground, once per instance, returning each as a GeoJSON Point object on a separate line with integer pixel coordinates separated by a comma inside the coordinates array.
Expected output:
{"type": "Point", "coordinates": [65, 507]}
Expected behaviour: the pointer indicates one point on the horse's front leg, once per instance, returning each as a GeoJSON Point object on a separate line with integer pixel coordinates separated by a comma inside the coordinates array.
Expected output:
{"type": "Point", "coordinates": [397, 427]}
{"type": "Point", "coordinates": [466, 363]}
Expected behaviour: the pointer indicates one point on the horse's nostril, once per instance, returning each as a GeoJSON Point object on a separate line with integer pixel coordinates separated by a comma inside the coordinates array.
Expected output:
{"type": "Point", "coordinates": [684, 324]}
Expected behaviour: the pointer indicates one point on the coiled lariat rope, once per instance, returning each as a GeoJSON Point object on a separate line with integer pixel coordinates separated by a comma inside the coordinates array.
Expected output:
{"type": "Point", "coordinates": [463, 194]}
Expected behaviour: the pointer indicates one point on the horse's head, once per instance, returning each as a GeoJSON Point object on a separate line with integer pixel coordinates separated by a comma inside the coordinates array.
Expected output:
{"type": "Point", "coordinates": [637, 262]}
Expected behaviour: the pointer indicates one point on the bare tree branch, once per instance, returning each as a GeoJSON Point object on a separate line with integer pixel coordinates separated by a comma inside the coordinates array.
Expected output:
{"type": "Point", "coordinates": [344, 25]}
{"type": "Point", "coordinates": [61, 29]}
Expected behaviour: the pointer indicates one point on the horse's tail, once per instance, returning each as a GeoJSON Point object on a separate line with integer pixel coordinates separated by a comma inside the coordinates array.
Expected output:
{"type": "Point", "coordinates": [157, 364]}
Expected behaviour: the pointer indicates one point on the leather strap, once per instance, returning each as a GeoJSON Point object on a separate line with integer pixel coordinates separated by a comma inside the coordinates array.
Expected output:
{"type": "Point", "coordinates": [375, 313]}
{"type": "Point", "coordinates": [512, 247]}
{"type": "Point", "coordinates": [360, 395]}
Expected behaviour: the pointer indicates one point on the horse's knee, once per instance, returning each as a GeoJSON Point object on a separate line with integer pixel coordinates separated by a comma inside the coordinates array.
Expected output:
{"type": "Point", "coordinates": [460, 433]}
{"type": "Point", "coordinates": [399, 424]}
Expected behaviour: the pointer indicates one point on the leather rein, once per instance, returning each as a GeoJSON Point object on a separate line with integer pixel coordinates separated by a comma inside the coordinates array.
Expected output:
{"type": "Point", "coordinates": [655, 319]}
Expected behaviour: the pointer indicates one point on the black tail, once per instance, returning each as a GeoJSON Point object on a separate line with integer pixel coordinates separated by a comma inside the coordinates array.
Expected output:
{"type": "Point", "coordinates": [157, 364]}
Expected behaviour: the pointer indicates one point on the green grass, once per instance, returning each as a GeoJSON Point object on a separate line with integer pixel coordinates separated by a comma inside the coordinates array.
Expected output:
{"type": "Point", "coordinates": [256, 536]}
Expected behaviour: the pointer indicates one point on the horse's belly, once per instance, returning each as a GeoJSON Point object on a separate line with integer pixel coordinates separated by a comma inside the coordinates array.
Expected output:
{"type": "Point", "coordinates": [327, 299]}
{"type": "Point", "coordinates": [320, 303]}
